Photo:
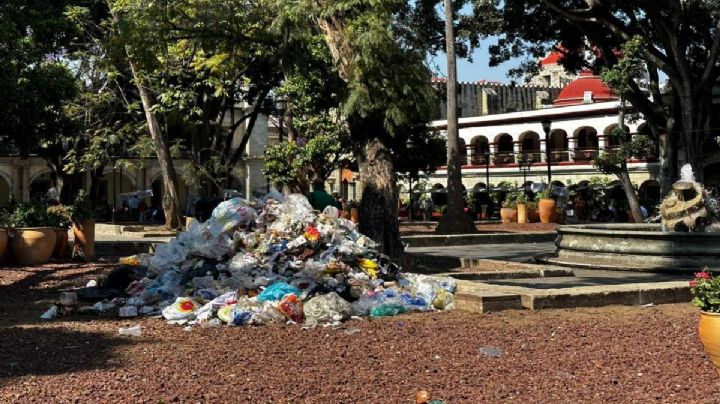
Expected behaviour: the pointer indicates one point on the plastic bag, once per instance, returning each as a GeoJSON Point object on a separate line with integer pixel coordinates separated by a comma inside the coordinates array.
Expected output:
{"type": "Point", "coordinates": [369, 266]}
{"type": "Point", "coordinates": [229, 215]}
{"type": "Point", "coordinates": [327, 308]}
{"type": "Point", "coordinates": [443, 300]}
{"type": "Point", "coordinates": [385, 310]}
{"type": "Point", "coordinates": [277, 291]}
{"type": "Point", "coordinates": [292, 308]}
{"type": "Point", "coordinates": [182, 309]}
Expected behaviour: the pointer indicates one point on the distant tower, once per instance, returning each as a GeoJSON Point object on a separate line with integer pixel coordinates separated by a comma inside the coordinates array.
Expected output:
{"type": "Point", "coordinates": [552, 73]}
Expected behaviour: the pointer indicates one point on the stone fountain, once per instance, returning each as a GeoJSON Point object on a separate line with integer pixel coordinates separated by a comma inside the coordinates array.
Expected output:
{"type": "Point", "coordinates": [685, 241]}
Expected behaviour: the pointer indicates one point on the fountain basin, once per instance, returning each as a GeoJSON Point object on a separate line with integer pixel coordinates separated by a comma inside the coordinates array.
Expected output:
{"type": "Point", "coordinates": [634, 247]}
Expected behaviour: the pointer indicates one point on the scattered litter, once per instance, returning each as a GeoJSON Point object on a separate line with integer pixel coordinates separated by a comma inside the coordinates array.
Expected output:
{"type": "Point", "coordinates": [91, 284]}
{"type": "Point", "coordinates": [128, 311]}
{"type": "Point", "coordinates": [50, 313]}
{"type": "Point", "coordinates": [491, 352]}
{"type": "Point", "coordinates": [135, 331]}
{"type": "Point", "coordinates": [271, 261]}
{"type": "Point", "coordinates": [351, 331]}
{"type": "Point", "coordinates": [647, 305]}
{"type": "Point", "coordinates": [68, 298]}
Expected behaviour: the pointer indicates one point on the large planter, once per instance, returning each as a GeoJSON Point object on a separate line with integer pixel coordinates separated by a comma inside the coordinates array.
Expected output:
{"type": "Point", "coordinates": [522, 213]}
{"type": "Point", "coordinates": [84, 235]}
{"type": "Point", "coordinates": [508, 215]}
{"type": "Point", "coordinates": [547, 210]}
{"type": "Point", "coordinates": [61, 242]}
{"type": "Point", "coordinates": [32, 245]}
{"type": "Point", "coordinates": [3, 244]}
{"type": "Point", "coordinates": [709, 327]}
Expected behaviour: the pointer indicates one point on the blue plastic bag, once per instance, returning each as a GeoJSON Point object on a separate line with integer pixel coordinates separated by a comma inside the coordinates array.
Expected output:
{"type": "Point", "coordinates": [277, 291]}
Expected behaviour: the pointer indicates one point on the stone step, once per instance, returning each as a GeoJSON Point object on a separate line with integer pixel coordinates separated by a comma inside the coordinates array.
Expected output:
{"type": "Point", "coordinates": [485, 302]}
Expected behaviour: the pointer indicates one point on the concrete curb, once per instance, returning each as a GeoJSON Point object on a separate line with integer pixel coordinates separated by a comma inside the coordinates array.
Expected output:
{"type": "Point", "coordinates": [465, 239]}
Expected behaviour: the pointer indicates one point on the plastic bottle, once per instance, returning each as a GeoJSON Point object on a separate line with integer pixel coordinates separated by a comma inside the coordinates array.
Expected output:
{"type": "Point", "coordinates": [134, 331]}
{"type": "Point", "coordinates": [385, 310]}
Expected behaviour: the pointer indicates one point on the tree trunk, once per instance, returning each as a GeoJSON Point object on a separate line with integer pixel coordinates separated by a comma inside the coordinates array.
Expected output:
{"type": "Point", "coordinates": [631, 195]}
{"type": "Point", "coordinates": [667, 162]}
{"type": "Point", "coordinates": [454, 221]}
{"type": "Point", "coordinates": [378, 215]}
{"type": "Point", "coordinates": [171, 200]}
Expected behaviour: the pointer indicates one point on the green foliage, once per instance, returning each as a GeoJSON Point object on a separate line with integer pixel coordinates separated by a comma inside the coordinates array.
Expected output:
{"type": "Point", "coordinates": [546, 193]}
{"type": "Point", "coordinates": [513, 199]}
{"type": "Point", "coordinates": [30, 214]}
{"type": "Point", "coordinates": [284, 165]}
{"type": "Point", "coordinates": [82, 209]}
{"type": "Point", "coordinates": [4, 219]}
{"type": "Point", "coordinates": [705, 290]}
{"type": "Point", "coordinates": [58, 216]}
{"type": "Point", "coordinates": [629, 68]}
{"type": "Point", "coordinates": [611, 162]}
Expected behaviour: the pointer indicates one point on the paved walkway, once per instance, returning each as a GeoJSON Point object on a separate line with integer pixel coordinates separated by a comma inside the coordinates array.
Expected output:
{"type": "Point", "coordinates": [509, 252]}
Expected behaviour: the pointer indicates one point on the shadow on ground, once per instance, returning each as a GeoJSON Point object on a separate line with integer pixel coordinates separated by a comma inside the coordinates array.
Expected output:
{"type": "Point", "coordinates": [44, 351]}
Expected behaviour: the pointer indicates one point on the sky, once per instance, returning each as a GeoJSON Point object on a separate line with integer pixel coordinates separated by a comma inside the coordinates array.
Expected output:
{"type": "Point", "coordinates": [478, 69]}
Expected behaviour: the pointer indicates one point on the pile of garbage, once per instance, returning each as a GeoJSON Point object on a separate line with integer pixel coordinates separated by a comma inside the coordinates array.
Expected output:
{"type": "Point", "coordinates": [277, 261]}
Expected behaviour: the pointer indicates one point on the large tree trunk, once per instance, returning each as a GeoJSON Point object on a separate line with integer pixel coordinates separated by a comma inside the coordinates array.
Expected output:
{"type": "Point", "coordinates": [631, 195]}
{"type": "Point", "coordinates": [454, 221]}
{"type": "Point", "coordinates": [378, 207]}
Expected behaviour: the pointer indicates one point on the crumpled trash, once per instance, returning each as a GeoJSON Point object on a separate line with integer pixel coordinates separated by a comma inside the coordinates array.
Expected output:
{"type": "Point", "coordinates": [182, 309]}
{"type": "Point", "coordinates": [277, 291]}
{"type": "Point", "coordinates": [134, 331]}
{"type": "Point", "coordinates": [491, 351]}
{"type": "Point", "coordinates": [327, 308]}
{"type": "Point", "coordinates": [269, 261]}
{"type": "Point", "coordinates": [50, 313]}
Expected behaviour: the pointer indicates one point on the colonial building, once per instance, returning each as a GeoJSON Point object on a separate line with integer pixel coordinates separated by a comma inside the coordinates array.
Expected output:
{"type": "Point", "coordinates": [26, 179]}
{"type": "Point", "coordinates": [511, 147]}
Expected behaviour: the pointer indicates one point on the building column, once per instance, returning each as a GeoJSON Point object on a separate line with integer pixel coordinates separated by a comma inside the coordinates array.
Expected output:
{"type": "Point", "coordinates": [516, 146]}
{"type": "Point", "coordinates": [572, 145]}
{"type": "Point", "coordinates": [543, 150]}
{"type": "Point", "coordinates": [140, 179]}
{"type": "Point", "coordinates": [492, 148]}
{"type": "Point", "coordinates": [16, 184]}
{"type": "Point", "coordinates": [25, 184]}
{"type": "Point", "coordinates": [602, 142]}
{"type": "Point", "coordinates": [469, 153]}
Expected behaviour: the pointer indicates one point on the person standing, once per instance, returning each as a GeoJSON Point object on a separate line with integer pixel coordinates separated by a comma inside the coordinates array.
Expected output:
{"type": "Point", "coordinates": [134, 205]}
{"type": "Point", "coordinates": [319, 199]}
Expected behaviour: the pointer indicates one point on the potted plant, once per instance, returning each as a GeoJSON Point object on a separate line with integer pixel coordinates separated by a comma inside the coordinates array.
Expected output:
{"type": "Point", "coordinates": [58, 216]}
{"type": "Point", "coordinates": [82, 215]}
{"type": "Point", "coordinates": [705, 290]}
{"type": "Point", "coordinates": [509, 213]}
{"type": "Point", "coordinates": [354, 211]}
{"type": "Point", "coordinates": [521, 202]}
{"type": "Point", "coordinates": [546, 205]}
{"type": "Point", "coordinates": [32, 240]}
{"type": "Point", "coordinates": [4, 224]}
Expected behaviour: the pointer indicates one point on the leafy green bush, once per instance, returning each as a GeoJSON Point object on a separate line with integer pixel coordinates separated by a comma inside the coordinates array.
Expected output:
{"type": "Point", "coordinates": [29, 214]}
{"type": "Point", "coordinates": [58, 216]}
{"type": "Point", "coordinates": [82, 209]}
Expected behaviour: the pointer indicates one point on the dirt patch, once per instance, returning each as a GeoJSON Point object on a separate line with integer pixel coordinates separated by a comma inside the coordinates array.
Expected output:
{"type": "Point", "coordinates": [611, 354]}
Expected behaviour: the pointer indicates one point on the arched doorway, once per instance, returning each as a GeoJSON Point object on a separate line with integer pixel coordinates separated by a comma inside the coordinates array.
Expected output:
{"type": "Point", "coordinates": [4, 192]}
{"type": "Point", "coordinates": [559, 145]}
{"type": "Point", "coordinates": [530, 145]}
{"type": "Point", "coordinates": [587, 143]}
{"type": "Point", "coordinates": [612, 140]}
{"type": "Point", "coordinates": [480, 147]}
{"type": "Point", "coordinates": [505, 151]}
{"type": "Point", "coordinates": [39, 186]}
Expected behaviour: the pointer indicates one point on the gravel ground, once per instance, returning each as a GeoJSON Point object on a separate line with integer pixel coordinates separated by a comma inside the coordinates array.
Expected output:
{"type": "Point", "coordinates": [613, 354]}
{"type": "Point", "coordinates": [407, 229]}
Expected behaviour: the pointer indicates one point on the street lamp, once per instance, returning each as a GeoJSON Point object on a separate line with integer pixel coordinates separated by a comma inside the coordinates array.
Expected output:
{"type": "Point", "coordinates": [281, 104]}
{"type": "Point", "coordinates": [546, 123]}
{"type": "Point", "coordinates": [524, 163]}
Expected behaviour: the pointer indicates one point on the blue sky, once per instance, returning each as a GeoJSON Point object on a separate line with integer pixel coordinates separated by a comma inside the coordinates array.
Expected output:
{"type": "Point", "coordinates": [478, 69]}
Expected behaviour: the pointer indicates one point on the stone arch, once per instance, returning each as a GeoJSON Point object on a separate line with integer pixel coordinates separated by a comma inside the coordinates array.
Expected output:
{"type": "Point", "coordinates": [504, 143]}
{"type": "Point", "coordinates": [613, 141]}
{"type": "Point", "coordinates": [480, 146]}
{"type": "Point", "coordinates": [112, 184]}
{"type": "Point", "coordinates": [39, 183]}
{"type": "Point", "coordinates": [586, 137]}
{"type": "Point", "coordinates": [529, 142]}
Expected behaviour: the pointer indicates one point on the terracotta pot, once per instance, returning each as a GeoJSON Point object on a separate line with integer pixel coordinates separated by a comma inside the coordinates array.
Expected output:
{"type": "Point", "coordinates": [533, 215]}
{"type": "Point", "coordinates": [85, 239]}
{"type": "Point", "coordinates": [522, 213]}
{"type": "Point", "coordinates": [32, 245]}
{"type": "Point", "coordinates": [709, 327]}
{"type": "Point", "coordinates": [355, 214]}
{"type": "Point", "coordinates": [547, 210]}
{"type": "Point", "coordinates": [508, 215]}
{"type": "Point", "coordinates": [3, 243]}
{"type": "Point", "coordinates": [61, 242]}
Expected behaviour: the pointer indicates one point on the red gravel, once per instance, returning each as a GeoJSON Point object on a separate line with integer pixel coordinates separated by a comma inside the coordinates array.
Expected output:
{"type": "Point", "coordinates": [614, 354]}
{"type": "Point", "coordinates": [407, 229]}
